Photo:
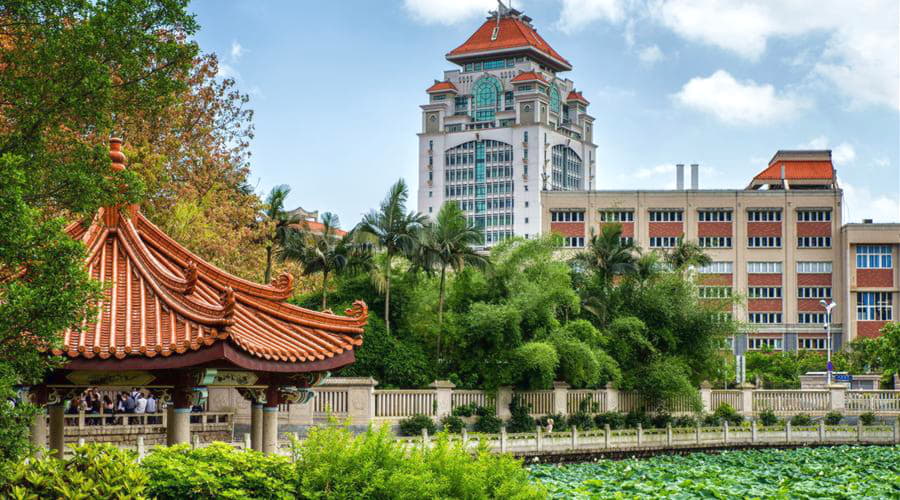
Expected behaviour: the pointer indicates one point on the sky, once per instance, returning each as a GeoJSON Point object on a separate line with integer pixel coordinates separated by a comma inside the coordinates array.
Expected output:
{"type": "Point", "coordinates": [336, 88]}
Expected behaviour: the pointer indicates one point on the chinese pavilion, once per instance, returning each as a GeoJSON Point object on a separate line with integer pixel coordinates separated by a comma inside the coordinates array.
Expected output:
{"type": "Point", "coordinates": [173, 322]}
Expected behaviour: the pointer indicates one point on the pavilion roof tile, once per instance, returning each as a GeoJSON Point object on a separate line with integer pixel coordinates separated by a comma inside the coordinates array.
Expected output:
{"type": "Point", "coordinates": [511, 33]}
{"type": "Point", "coordinates": [796, 170]}
{"type": "Point", "coordinates": [528, 76]}
{"type": "Point", "coordinates": [441, 87]}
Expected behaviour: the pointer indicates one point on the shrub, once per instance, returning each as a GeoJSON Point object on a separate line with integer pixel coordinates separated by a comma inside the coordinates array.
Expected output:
{"type": "Point", "coordinates": [94, 471]}
{"type": "Point", "coordinates": [581, 421]}
{"type": "Point", "coordinates": [833, 418]}
{"type": "Point", "coordinates": [660, 420]}
{"type": "Point", "coordinates": [217, 471]}
{"type": "Point", "coordinates": [767, 417]}
{"type": "Point", "coordinates": [727, 412]}
{"type": "Point", "coordinates": [801, 420]}
{"type": "Point", "coordinates": [413, 425]}
{"type": "Point", "coordinates": [488, 424]}
{"type": "Point", "coordinates": [483, 410]}
{"type": "Point", "coordinates": [536, 363]}
{"type": "Point", "coordinates": [559, 422]}
{"type": "Point", "coordinates": [520, 416]}
{"type": "Point", "coordinates": [684, 421]}
{"type": "Point", "coordinates": [466, 410]}
{"type": "Point", "coordinates": [711, 420]}
{"type": "Point", "coordinates": [614, 419]}
{"type": "Point", "coordinates": [453, 424]}
{"type": "Point", "coordinates": [867, 418]}
{"type": "Point", "coordinates": [333, 463]}
{"type": "Point", "coordinates": [635, 417]}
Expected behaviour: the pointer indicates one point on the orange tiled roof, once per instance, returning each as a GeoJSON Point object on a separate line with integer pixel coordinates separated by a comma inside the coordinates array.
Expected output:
{"type": "Point", "coordinates": [441, 87]}
{"type": "Point", "coordinates": [513, 33]}
{"type": "Point", "coordinates": [319, 228]}
{"type": "Point", "coordinates": [528, 76]}
{"type": "Point", "coordinates": [794, 170]}
{"type": "Point", "coordinates": [162, 300]}
{"type": "Point", "coordinates": [576, 96]}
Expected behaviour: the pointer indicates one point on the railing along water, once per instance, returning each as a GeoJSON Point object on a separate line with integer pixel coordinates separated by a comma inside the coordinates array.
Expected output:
{"type": "Point", "coordinates": [404, 403]}
{"type": "Point", "coordinates": [574, 399]}
{"type": "Point", "coordinates": [791, 401]}
{"type": "Point", "coordinates": [874, 401]}
{"type": "Point", "coordinates": [731, 398]}
{"type": "Point", "coordinates": [462, 397]}
{"type": "Point", "coordinates": [541, 402]}
{"type": "Point", "coordinates": [330, 402]}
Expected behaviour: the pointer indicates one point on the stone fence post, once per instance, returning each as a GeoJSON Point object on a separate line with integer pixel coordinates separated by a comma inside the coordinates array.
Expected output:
{"type": "Point", "coordinates": [706, 396]}
{"type": "Point", "coordinates": [560, 398]}
{"type": "Point", "coordinates": [360, 397]}
{"type": "Point", "coordinates": [747, 398]}
{"type": "Point", "coordinates": [837, 400]}
{"type": "Point", "coordinates": [444, 396]}
{"type": "Point", "coordinates": [612, 397]}
{"type": "Point", "coordinates": [504, 398]}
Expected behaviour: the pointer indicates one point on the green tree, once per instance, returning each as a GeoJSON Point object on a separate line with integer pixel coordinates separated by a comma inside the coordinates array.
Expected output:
{"type": "Point", "coordinates": [279, 221]}
{"type": "Point", "coordinates": [687, 254]}
{"type": "Point", "coordinates": [607, 255]}
{"type": "Point", "coordinates": [67, 70]}
{"type": "Point", "coordinates": [393, 230]}
{"type": "Point", "coordinates": [446, 244]}
{"type": "Point", "coordinates": [889, 348]}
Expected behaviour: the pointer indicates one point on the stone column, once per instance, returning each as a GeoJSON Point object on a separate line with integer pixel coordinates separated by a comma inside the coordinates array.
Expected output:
{"type": "Point", "coordinates": [747, 398]}
{"type": "Point", "coordinates": [706, 396]}
{"type": "Point", "coordinates": [612, 397]}
{"type": "Point", "coordinates": [504, 398]}
{"type": "Point", "coordinates": [57, 430]}
{"type": "Point", "coordinates": [178, 418]}
{"type": "Point", "coordinates": [838, 397]}
{"type": "Point", "coordinates": [270, 421]}
{"type": "Point", "coordinates": [443, 396]}
{"type": "Point", "coordinates": [39, 430]}
{"type": "Point", "coordinates": [256, 426]}
{"type": "Point", "coordinates": [560, 395]}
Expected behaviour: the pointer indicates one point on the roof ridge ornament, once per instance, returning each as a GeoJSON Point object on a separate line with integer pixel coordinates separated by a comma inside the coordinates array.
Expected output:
{"type": "Point", "coordinates": [229, 302]}
{"type": "Point", "coordinates": [284, 282]}
{"type": "Point", "coordinates": [190, 276]}
{"type": "Point", "coordinates": [359, 309]}
{"type": "Point", "coordinates": [116, 155]}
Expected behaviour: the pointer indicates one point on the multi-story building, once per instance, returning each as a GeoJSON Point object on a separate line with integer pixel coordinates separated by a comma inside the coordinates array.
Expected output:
{"type": "Point", "coordinates": [779, 243]}
{"type": "Point", "coordinates": [503, 127]}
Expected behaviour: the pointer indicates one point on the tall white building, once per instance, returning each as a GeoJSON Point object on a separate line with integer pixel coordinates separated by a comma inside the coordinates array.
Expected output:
{"type": "Point", "coordinates": [503, 127]}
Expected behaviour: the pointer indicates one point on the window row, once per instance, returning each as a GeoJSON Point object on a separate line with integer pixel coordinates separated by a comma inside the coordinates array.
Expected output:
{"type": "Point", "coordinates": [495, 236]}
{"type": "Point", "coordinates": [715, 241]}
{"type": "Point", "coordinates": [764, 318]}
{"type": "Point", "coordinates": [764, 292]}
{"type": "Point", "coordinates": [812, 344]}
{"type": "Point", "coordinates": [717, 268]}
{"type": "Point", "coordinates": [814, 242]}
{"type": "Point", "coordinates": [874, 257]}
{"type": "Point", "coordinates": [813, 267]}
{"type": "Point", "coordinates": [666, 216]}
{"type": "Point", "coordinates": [764, 267]}
{"type": "Point", "coordinates": [813, 215]}
{"type": "Point", "coordinates": [664, 241]}
{"type": "Point", "coordinates": [498, 219]}
{"type": "Point", "coordinates": [480, 206]}
{"type": "Point", "coordinates": [874, 306]}
{"type": "Point", "coordinates": [714, 292]}
{"type": "Point", "coordinates": [566, 216]}
{"type": "Point", "coordinates": [812, 318]}
{"type": "Point", "coordinates": [617, 216]}
{"type": "Point", "coordinates": [764, 215]}
{"type": "Point", "coordinates": [764, 242]}
{"type": "Point", "coordinates": [757, 343]}
{"type": "Point", "coordinates": [573, 242]}
{"type": "Point", "coordinates": [814, 292]}
{"type": "Point", "coordinates": [714, 215]}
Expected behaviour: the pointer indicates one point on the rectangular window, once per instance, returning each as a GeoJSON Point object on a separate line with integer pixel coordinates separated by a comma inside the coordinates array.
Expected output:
{"type": "Point", "coordinates": [573, 242]}
{"type": "Point", "coordinates": [666, 215]}
{"type": "Point", "coordinates": [764, 292]}
{"type": "Point", "coordinates": [566, 216]}
{"type": "Point", "coordinates": [664, 241]}
{"type": "Point", "coordinates": [715, 242]}
{"type": "Point", "coordinates": [764, 267]}
{"type": "Point", "coordinates": [717, 268]}
{"type": "Point", "coordinates": [874, 257]}
{"type": "Point", "coordinates": [808, 318]}
{"type": "Point", "coordinates": [764, 318]}
{"type": "Point", "coordinates": [508, 101]}
{"type": "Point", "coordinates": [814, 242]}
{"type": "Point", "coordinates": [814, 292]}
{"type": "Point", "coordinates": [764, 242]}
{"type": "Point", "coordinates": [764, 215]}
{"type": "Point", "coordinates": [714, 215]}
{"type": "Point", "coordinates": [626, 240]}
{"type": "Point", "coordinates": [617, 216]}
{"type": "Point", "coordinates": [714, 292]}
{"type": "Point", "coordinates": [874, 306]}
{"type": "Point", "coordinates": [461, 105]}
{"type": "Point", "coordinates": [758, 343]}
{"type": "Point", "coordinates": [812, 344]}
{"type": "Point", "coordinates": [813, 267]}
{"type": "Point", "coordinates": [813, 215]}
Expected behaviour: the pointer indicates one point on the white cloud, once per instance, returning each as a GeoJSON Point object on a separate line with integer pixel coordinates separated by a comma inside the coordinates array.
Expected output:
{"type": "Point", "coordinates": [447, 11]}
{"type": "Point", "coordinates": [237, 51]}
{"type": "Point", "coordinates": [657, 170]}
{"type": "Point", "coordinates": [576, 14]}
{"type": "Point", "coordinates": [842, 154]}
{"type": "Point", "coordinates": [737, 103]}
{"type": "Point", "coordinates": [820, 142]}
{"type": "Point", "coordinates": [651, 55]}
{"type": "Point", "coordinates": [861, 204]}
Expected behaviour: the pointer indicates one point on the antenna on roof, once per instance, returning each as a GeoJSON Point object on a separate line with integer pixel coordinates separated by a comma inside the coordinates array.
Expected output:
{"type": "Point", "coordinates": [502, 10]}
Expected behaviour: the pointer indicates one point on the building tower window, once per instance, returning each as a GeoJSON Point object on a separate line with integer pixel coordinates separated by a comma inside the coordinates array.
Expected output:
{"type": "Point", "coordinates": [487, 96]}
{"type": "Point", "coordinates": [568, 171]}
{"type": "Point", "coordinates": [554, 99]}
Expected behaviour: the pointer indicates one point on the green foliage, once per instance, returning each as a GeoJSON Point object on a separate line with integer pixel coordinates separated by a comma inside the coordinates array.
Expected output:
{"type": "Point", "coordinates": [536, 362]}
{"type": "Point", "coordinates": [488, 424]}
{"type": "Point", "coordinates": [333, 463]}
{"type": "Point", "coordinates": [452, 424]}
{"type": "Point", "coordinates": [782, 370]}
{"type": "Point", "coordinates": [833, 418]}
{"type": "Point", "coordinates": [684, 421]}
{"type": "Point", "coordinates": [888, 348]}
{"type": "Point", "coordinates": [635, 417]}
{"type": "Point", "coordinates": [767, 417]}
{"type": "Point", "coordinates": [661, 419]}
{"type": "Point", "coordinates": [392, 361]}
{"type": "Point", "coordinates": [217, 471]}
{"type": "Point", "coordinates": [582, 421]}
{"type": "Point", "coordinates": [836, 472]}
{"type": "Point", "coordinates": [867, 418]}
{"type": "Point", "coordinates": [466, 410]}
{"type": "Point", "coordinates": [413, 425]}
{"type": "Point", "coordinates": [801, 420]}
{"type": "Point", "coordinates": [560, 423]}
{"type": "Point", "coordinates": [727, 412]}
{"type": "Point", "coordinates": [520, 416]}
{"type": "Point", "coordinates": [614, 419]}
{"type": "Point", "coordinates": [98, 471]}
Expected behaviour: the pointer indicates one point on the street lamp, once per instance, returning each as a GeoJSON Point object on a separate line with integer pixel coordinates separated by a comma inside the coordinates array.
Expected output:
{"type": "Point", "coordinates": [828, 307]}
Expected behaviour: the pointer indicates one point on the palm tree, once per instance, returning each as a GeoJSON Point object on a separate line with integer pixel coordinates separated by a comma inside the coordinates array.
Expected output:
{"type": "Point", "coordinates": [325, 252]}
{"type": "Point", "coordinates": [394, 231]}
{"type": "Point", "coordinates": [447, 243]}
{"type": "Point", "coordinates": [608, 255]}
{"type": "Point", "coordinates": [275, 213]}
{"type": "Point", "coordinates": [686, 254]}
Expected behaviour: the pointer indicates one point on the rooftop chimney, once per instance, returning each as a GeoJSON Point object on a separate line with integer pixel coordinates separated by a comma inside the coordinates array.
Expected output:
{"type": "Point", "coordinates": [695, 176]}
{"type": "Point", "coordinates": [679, 176]}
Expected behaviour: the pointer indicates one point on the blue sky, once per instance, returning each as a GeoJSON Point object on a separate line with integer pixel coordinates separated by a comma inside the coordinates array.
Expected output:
{"type": "Point", "coordinates": [336, 87]}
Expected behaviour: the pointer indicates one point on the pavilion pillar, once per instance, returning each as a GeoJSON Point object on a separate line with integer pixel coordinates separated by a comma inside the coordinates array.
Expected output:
{"type": "Point", "coordinates": [270, 421]}
{"type": "Point", "coordinates": [178, 428]}
{"type": "Point", "coordinates": [39, 430]}
{"type": "Point", "coordinates": [256, 426]}
{"type": "Point", "coordinates": [57, 430]}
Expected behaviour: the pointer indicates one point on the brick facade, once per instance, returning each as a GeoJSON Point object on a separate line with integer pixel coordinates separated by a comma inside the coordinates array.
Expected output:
{"type": "Point", "coordinates": [809, 305]}
{"type": "Point", "coordinates": [881, 278]}
{"type": "Point", "coordinates": [813, 229]}
{"type": "Point", "coordinates": [716, 279]}
{"type": "Point", "coordinates": [714, 229]}
{"type": "Point", "coordinates": [675, 229]}
{"type": "Point", "coordinates": [764, 305]}
{"type": "Point", "coordinates": [567, 228]}
{"type": "Point", "coordinates": [814, 279]}
{"type": "Point", "coordinates": [869, 329]}
{"type": "Point", "coordinates": [763, 229]}
{"type": "Point", "coordinates": [764, 279]}
{"type": "Point", "coordinates": [627, 227]}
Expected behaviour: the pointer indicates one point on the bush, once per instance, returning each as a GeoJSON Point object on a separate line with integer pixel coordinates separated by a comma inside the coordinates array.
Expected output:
{"type": "Point", "coordinates": [867, 418]}
{"type": "Point", "coordinates": [711, 420]}
{"type": "Point", "coordinates": [453, 424]}
{"type": "Point", "coordinates": [520, 416]}
{"type": "Point", "coordinates": [581, 421]}
{"type": "Point", "coordinates": [466, 410]}
{"type": "Point", "coordinates": [559, 422]}
{"type": "Point", "coordinates": [614, 419]}
{"type": "Point", "coordinates": [413, 425]}
{"type": "Point", "coordinates": [94, 471]}
{"type": "Point", "coordinates": [684, 421]}
{"type": "Point", "coordinates": [217, 471]}
{"type": "Point", "coordinates": [488, 424]}
{"type": "Point", "coordinates": [801, 420]}
{"type": "Point", "coordinates": [334, 463]}
{"type": "Point", "coordinates": [727, 412]}
{"type": "Point", "coordinates": [767, 417]}
{"type": "Point", "coordinates": [483, 410]}
{"type": "Point", "coordinates": [833, 418]}
{"type": "Point", "coordinates": [660, 420]}
{"type": "Point", "coordinates": [635, 417]}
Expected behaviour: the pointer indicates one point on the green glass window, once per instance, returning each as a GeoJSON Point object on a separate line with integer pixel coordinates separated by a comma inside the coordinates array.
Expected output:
{"type": "Point", "coordinates": [554, 99]}
{"type": "Point", "coordinates": [487, 98]}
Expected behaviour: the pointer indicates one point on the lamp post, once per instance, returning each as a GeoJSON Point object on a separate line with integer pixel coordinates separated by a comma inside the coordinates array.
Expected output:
{"type": "Point", "coordinates": [828, 307]}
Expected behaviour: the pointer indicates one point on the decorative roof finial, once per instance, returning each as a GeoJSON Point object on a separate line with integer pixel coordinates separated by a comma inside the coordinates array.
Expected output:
{"type": "Point", "coordinates": [116, 154]}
